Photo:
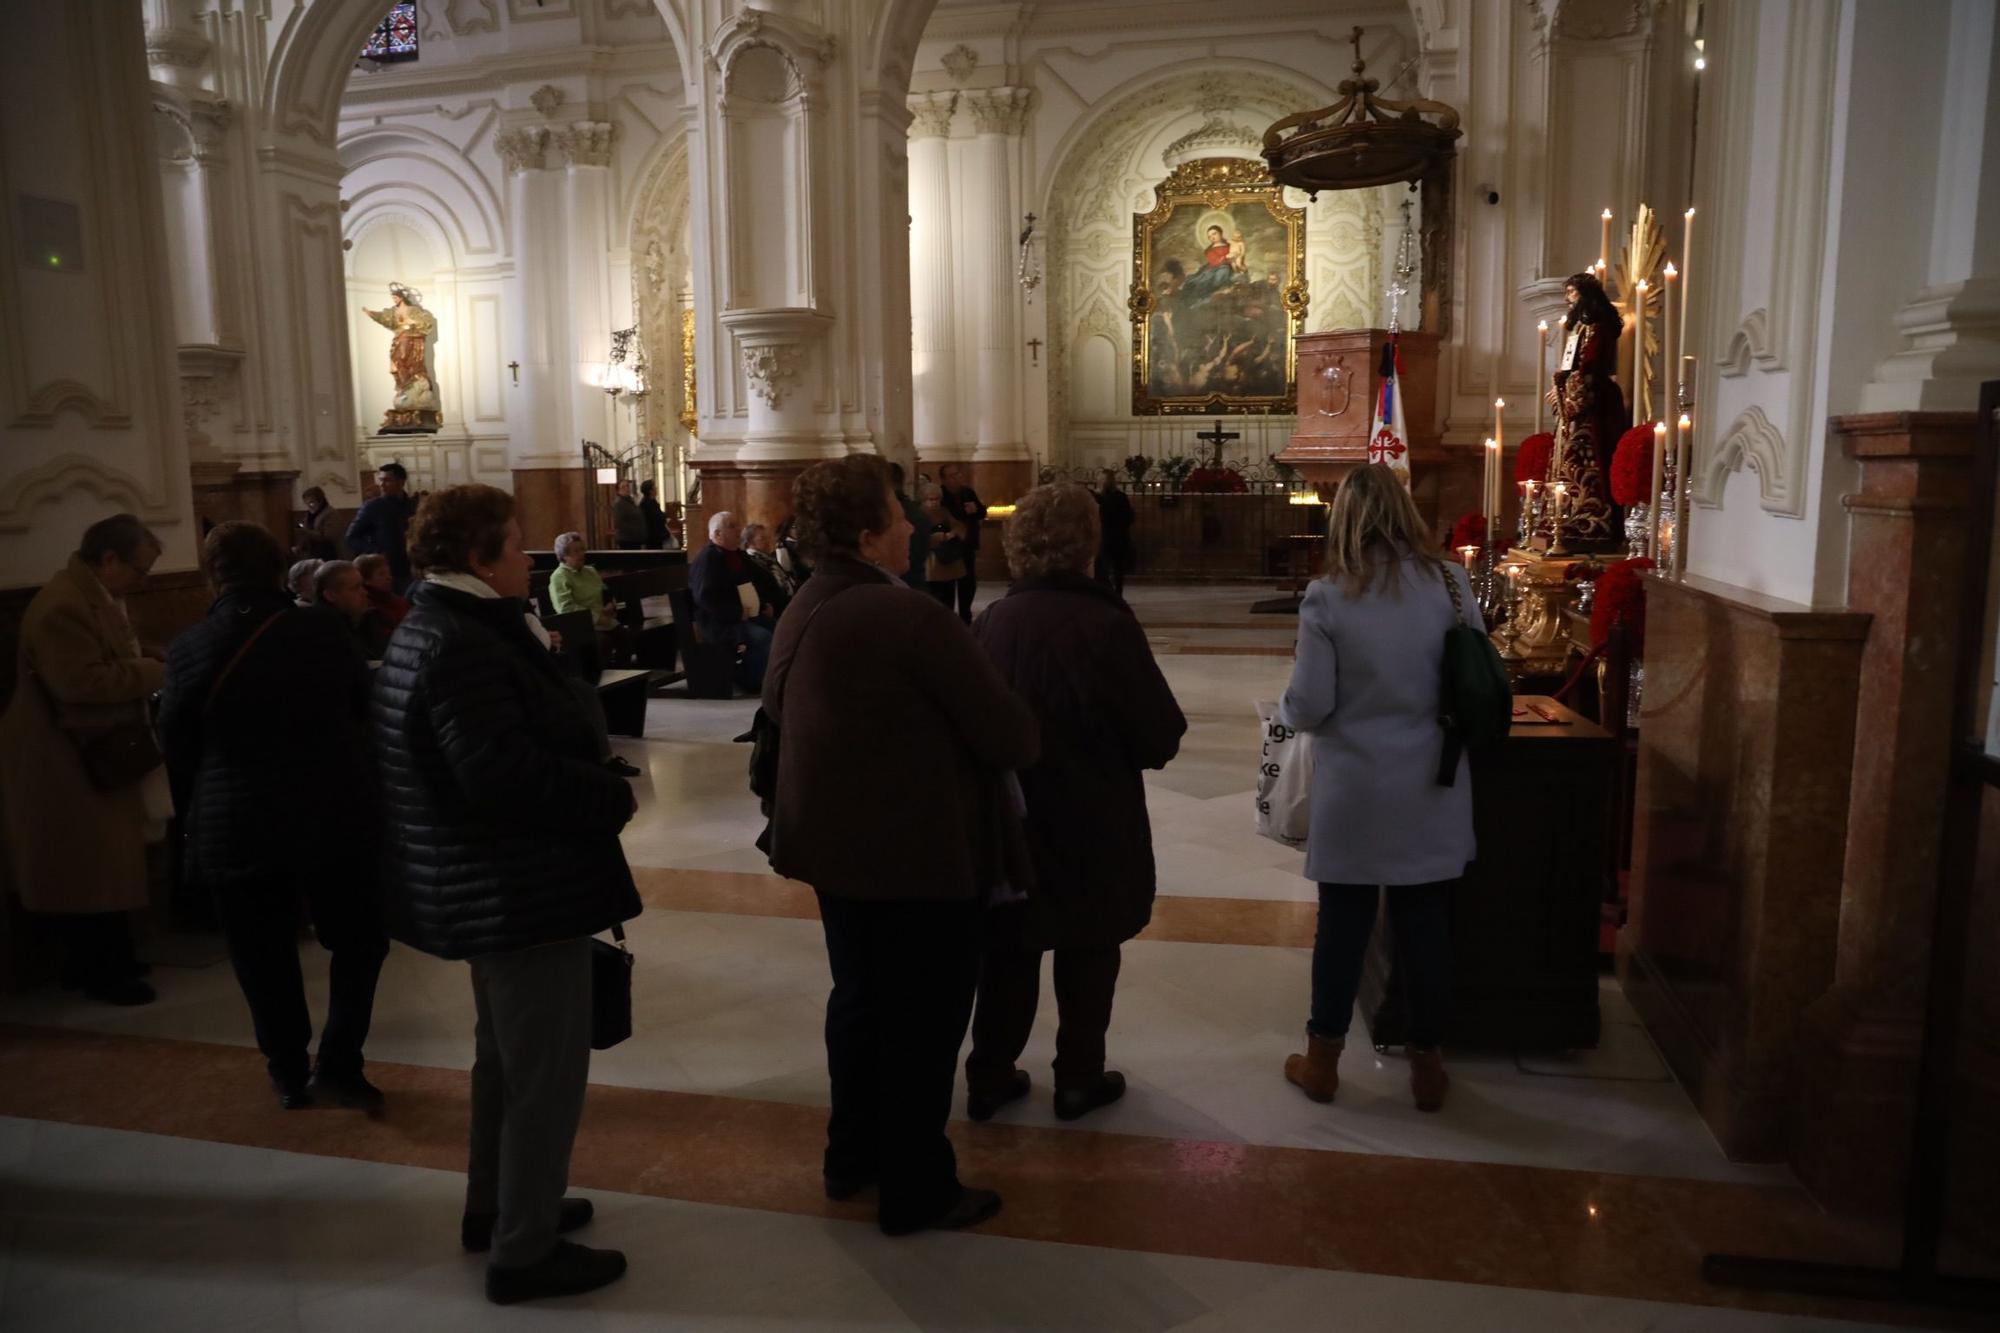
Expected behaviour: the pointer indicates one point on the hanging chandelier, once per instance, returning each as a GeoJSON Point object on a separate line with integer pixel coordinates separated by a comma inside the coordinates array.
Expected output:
{"type": "Point", "coordinates": [1362, 140]}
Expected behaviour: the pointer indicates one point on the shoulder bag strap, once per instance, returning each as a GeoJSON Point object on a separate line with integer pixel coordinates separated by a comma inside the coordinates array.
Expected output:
{"type": "Point", "coordinates": [1451, 586]}
{"type": "Point", "coordinates": [223, 675]}
{"type": "Point", "coordinates": [804, 629]}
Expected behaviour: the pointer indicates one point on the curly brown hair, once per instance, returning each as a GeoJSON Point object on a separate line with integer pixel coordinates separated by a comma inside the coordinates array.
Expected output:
{"type": "Point", "coordinates": [836, 501]}
{"type": "Point", "coordinates": [459, 523]}
{"type": "Point", "coordinates": [242, 555]}
{"type": "Point", "coordinates": [1053, 528]}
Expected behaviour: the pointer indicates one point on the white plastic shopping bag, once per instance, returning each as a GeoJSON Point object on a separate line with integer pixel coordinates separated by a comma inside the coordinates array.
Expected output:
{"type": "Point", "coordinates": [1284, 779]}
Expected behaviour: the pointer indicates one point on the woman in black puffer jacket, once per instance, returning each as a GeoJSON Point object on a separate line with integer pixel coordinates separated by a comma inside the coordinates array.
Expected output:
{"type": "Point", "coordinates": [263, 721]}
{"type": "Point", "coordinates": [503, 850]}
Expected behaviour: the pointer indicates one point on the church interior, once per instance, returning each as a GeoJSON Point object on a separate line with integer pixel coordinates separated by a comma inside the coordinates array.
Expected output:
{"type": "Point", "coordinates": [1678, 320]}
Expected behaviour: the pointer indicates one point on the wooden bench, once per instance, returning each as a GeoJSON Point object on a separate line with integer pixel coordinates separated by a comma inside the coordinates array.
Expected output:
{"type": "Point", "coordinates": [709, 668]}
{"type": "Point", "coordinates": [623, 691]}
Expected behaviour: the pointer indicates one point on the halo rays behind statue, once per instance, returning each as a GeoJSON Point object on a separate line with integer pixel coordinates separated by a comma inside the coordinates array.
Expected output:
{"type": "Point", "coordinates": [415, 408]}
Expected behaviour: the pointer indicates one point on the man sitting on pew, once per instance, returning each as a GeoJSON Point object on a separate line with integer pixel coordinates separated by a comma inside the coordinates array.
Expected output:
{"type": "Point", "coordinates": [727, 607]}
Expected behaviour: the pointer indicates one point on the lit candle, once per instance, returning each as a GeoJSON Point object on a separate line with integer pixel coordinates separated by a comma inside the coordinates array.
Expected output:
{"type": "Point", "coordinates": [1499, 452]}
{"type": "Point", "coordinates": [1541, 367]}
{"type": "Point", "coordinates": [1687, 268]}
{"type": "Point", "coordinates": [1604, 240]}
{"type": "Point", "coordinates": [1640, 361]}
{"type": "Point", "coordinates": [1681, 448]}
{"type": "Point", "coordinates": [1465, 554]}
{"type": "Point", "coordinates": [1653, 495]}
{"type": "Point", "coordinates": [1488, 501]}
{"type": "Point", "coordinates": [1670, 382]}
{"type": "Point", "coordinates": [1558, 490]}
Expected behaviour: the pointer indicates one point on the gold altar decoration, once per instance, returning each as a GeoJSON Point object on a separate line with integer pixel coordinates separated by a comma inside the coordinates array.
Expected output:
{"type": "Point", "coordinates": [688, 416]}
{"type": "Point", "coordinates": [1642, 261]}
{"type": "Point", "coordinates": [1218, 293]}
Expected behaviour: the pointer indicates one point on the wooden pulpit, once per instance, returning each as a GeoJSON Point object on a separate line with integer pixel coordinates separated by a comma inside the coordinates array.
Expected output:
{"type": "Point", "coordinates": [1338, 385]}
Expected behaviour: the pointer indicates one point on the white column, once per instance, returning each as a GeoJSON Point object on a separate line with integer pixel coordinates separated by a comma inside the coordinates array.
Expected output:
{"type": "Point", "coordinates": [989, 221]}
{"type": "Point", "coordinates": [933, 333]}
{"type": "Point", "coordinates": [539, 408]}
{"type": "Point", "coordinates": [586, 146]}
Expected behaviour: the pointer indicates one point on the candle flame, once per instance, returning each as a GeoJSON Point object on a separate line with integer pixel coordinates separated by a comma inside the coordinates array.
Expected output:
{"type": "Point", "coordinates": [1607, 213]}
{"type": "Point", "coordinates": [1499, 402]}
{"type": "Point", "coordinates": [1685, 423]}
{"type": "Point", "coordinates": [1640, 284]}
{"type": "Point", "coordinates": [1672, 272]}
{"type": "Point", "coordinates": [1541, 326]}
{"type": "Point", "coordinates": [1491, 443]}
{"type": "Point", "coordinates": [1688, 214]}
{"type": "Point", "coordinates": [1660, 427]}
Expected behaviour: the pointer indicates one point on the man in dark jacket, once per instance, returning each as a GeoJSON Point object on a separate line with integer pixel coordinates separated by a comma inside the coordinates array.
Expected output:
{"type": "Point", "coordinates": [656, 517]}
{"type": "Point", "coordinates": [964, 505]}
{"type": "Point", "coordinates": [1114, 548]}
{"type": "Point", "coordinates": [920, 529]}
{"type": "Point", "coordinates": [628, 520]}
{"type": "Point", "coordinates": [261, 718]}
{"type": "Point", "coordinates": [503, 829]}
{"type": "Point", "coordinates": [724, 593]}
{"type": "Point", "coordinates": [382, 525]}
{"type": "Point", "coordinates": [1072, 649]}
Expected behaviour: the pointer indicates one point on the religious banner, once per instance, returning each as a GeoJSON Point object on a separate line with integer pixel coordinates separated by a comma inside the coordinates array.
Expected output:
{"type": "Point", "coordinates": [1389, 440]}
{"type": "Point", "coordinates": [1218, 293]}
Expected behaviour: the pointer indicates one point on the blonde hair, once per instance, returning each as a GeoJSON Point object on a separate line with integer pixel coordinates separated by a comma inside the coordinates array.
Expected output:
{"type": "Point", "coordinates": [1053, 528]}
{"type": "Point", "coordinates": [1374, 525]}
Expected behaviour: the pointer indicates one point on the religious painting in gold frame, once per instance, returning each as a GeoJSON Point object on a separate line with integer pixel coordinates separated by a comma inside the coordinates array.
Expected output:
{"type": "Point", "coordinates": [1218, 293]}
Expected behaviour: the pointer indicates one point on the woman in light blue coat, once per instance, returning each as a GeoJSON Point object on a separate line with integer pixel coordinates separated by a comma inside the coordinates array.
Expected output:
{"type": "Point", "coordinates": [1365, 686]}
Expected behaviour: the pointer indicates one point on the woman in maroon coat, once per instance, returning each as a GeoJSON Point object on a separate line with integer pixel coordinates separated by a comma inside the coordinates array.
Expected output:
{"type": "Point", "coordinates": [1075, 652]}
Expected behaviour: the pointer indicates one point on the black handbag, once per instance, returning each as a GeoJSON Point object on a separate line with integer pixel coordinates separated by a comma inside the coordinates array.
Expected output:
{"type": "Point", "coordinates": [610, 991]}
{"type": "Point", "coordinates": [113, 757]}
{"type": "Point", "coordinates": [1475, 701]}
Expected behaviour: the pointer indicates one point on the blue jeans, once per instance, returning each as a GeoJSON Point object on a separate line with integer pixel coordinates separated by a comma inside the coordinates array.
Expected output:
{"type": "Point", "coordinates": [1419, 930]}
{"type": "Point", "coordinates": [754, 636]}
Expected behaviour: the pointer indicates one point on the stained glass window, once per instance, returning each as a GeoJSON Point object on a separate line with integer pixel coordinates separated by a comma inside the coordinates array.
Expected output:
{"type": "Point", "coordinates": [395, 37]}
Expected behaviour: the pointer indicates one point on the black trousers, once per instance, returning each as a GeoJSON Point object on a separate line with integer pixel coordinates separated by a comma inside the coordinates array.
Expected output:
{"type": "Point", "coordinates": [1420, 932]}
{"type": "Point", "coordinates": [260, 922]}
{"type": "Point", "coordinates": [1010, 989]}
{"type": "Point", "coordinates": [97, 947]}
{"type": "Point", "coordinates": [903, 980]}
{"type": "Point", "coordinates": [968, 586]}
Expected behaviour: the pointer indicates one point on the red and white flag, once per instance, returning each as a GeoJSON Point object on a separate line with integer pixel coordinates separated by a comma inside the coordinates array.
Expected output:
{"type": "Point", "coordinates": [1389, 441]}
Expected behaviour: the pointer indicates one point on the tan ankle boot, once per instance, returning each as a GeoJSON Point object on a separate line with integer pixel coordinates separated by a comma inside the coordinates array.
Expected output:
{"type": "Point", "coordinates": [1428, 1081]}
{"type": "Point", "coordinates": [1317, 1072]}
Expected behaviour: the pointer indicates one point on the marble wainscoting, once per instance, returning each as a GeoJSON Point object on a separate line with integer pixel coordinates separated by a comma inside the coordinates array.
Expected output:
{"type": "Point", "coordinates": [1746, 749]}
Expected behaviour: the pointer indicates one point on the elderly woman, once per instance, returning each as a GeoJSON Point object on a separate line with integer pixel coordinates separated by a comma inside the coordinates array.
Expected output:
{"type": "Point", "coordinates": [1365, 685]}
{"type": "Point", "coordinates": [303, 579]}
{"type": "Point", "coordinates": [252, 690]}
{"type": "Point", "coordinates": [503, 851]}
{"type": "Point", "coordinates": [576, 586]}
{"type": "Point", "coordinates": [1074, 651]}
{"type": "Point", "coordinates": [77, 847]}
{"type": "Point", "coordinates": [884, 687]}
{"type": "Point", "coordinates": [946, 564]}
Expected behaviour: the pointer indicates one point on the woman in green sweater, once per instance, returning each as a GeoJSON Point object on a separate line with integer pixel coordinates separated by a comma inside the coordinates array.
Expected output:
{"type": "Point", "coordinates": [575, 586]}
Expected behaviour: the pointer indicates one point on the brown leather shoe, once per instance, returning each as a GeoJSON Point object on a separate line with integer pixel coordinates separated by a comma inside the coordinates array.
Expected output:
{"type": "Point", "coordinates": [1428, 1081]}
{"type": "Point", "coordinates": [1317, 1072]}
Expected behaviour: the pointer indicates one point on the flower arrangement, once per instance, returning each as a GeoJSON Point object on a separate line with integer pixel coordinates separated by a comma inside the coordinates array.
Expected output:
{"type": "Point", "coordinates": [1137, 466]}
{"type": "Point", "coordinates": [1621, 596]}
{"type": "Point", "coordinates": [1214, 481]}
{"type": "Point", "coordinates": [1531, 463]}
{"type": "Point", "coordinates": [1470, 530]}
{"type": "Point", "coordinates": [1176, 469]}
{"type": "Point", "coordinates": [1632, 467]}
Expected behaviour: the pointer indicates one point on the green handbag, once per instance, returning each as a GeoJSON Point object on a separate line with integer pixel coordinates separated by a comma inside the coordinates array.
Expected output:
{"type": "Point", "coordinates": [1475, 702]}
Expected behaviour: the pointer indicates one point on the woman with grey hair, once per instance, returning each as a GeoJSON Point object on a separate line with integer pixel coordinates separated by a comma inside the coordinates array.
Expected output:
{"type": "Point", "coordinates": [946, 563]}
{"type": "Point", "coordinates": [1073, 650]}
{"type": "Point", "coordinates": [773, 581]}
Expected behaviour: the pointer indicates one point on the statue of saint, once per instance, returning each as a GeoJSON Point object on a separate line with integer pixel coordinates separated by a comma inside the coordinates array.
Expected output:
{"type": "Point", "coordinates": [415, 408]}
{"type": "Point", "coordinates": [1590, 415]}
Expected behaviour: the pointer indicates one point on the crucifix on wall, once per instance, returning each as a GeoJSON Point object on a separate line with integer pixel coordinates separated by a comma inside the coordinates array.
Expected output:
{"type": "Point", "coordinates": [1216, 439]}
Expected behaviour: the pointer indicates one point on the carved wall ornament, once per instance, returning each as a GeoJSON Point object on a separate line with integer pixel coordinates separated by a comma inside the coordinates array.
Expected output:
{"type": "Point", "coordinates": [176, 48]}
{"type": "Point", "coordinates": [1213, 135]}
{"type": "Point", "coordinates": [586, 143]}
{"type": "Point", "coordinates": [805, 49]}
{"type": "Point", "coordinates": [959, 62]}
{"type": "Point", "coordinates": [209, 119]}
{"type": "Point", "coordinates": [523, 149]}
{"type": "Point", "coordinates": [998, 110]}
{"type": "Point", "coordinates": [465, 17]}
{"type": "Point", "coordinates": [1751, 342]}
{"type": "Point", "coordinates": [770, 368]}
{"type": "Point", "coordinates": [1753, 439]}
{"type": "Point", "coordinates": [546, 99]}
{"type": "Point", "coordinates": [1598, 20]}
{"type": "Point", "coordinates": [933, 113]}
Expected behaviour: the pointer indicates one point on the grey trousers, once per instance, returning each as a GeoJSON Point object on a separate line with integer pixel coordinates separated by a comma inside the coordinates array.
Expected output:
{"type": "Point", "coordinates": [530, 1065]}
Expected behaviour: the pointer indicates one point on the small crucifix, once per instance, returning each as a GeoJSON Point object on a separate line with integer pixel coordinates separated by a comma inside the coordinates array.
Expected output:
{"type": "Point", "coordinates": [1035, 350]}
{"type": "Point", "coordinates": [514, 368]}
{"type": "Point", "coordinates": [1217, 438]}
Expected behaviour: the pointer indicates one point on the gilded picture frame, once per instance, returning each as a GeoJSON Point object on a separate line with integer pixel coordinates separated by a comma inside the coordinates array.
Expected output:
{"type": "Point", "coordinates": [1218, 293]}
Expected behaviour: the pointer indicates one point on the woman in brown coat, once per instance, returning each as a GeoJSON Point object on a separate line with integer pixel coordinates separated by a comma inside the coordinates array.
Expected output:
{"type": "Point", "coordinates": [78, 854]}
{"type": "Point", "coordinates": [1074, 651]}
{"type": "Point", "coordinates": [897, 734]}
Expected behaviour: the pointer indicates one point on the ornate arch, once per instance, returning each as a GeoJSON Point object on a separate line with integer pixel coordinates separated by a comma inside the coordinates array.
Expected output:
{"type": "Point", "coordinates": [1753, 439]}
{"type": "Point", "coordinates": [376, 165]}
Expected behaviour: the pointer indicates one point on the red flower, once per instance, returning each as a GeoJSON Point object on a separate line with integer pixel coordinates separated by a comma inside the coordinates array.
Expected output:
{"type": "Point", "coordinates": [1632, 466]}
{"type": "Point", "coordinates": [1621, 596]}
{"type": "Point", "coordinates": [1532, 462]}
{"type": "Point", "coordinates": [1214, 481]}
{"type": "Point", "coordinates": [1470, 530]}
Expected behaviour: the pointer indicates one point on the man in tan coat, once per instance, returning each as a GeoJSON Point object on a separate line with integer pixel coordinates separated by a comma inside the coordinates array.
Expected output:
{"type": "Point", "coordinates": [78, 853]}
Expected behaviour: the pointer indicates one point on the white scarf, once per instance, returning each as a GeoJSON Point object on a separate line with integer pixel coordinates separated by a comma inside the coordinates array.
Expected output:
{"type": "Point", "coordinates": [473, 585]}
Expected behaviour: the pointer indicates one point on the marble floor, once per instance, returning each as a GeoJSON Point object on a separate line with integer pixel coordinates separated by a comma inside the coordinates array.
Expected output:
{"type": "Point", "coordinates": [148, 1181]}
